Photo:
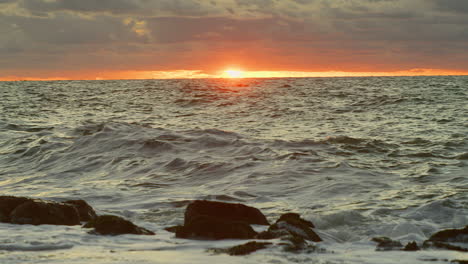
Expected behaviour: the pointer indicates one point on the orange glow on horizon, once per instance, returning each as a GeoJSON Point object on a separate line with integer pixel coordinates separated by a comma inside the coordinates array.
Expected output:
{"type": "Point", "coordinates": [230, 73]}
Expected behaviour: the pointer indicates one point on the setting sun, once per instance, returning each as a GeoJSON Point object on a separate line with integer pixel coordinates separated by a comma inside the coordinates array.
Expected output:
{"type": "Point", "coordinates": [233, 74]}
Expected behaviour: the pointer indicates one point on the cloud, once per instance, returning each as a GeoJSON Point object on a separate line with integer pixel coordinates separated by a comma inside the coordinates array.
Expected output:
{"type": "Point", "coordinates": [457, 6]}
{"type": "Point", "coordinates": [120, 7]}
{"type": "Point", "coordinates": [79, 35]}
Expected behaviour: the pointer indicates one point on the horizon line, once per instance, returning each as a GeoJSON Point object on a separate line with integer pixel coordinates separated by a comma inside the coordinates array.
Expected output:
{"type": "Point", "coordinates": [199, 74]}
{"type": "Point", "coordinates": [227, 78]}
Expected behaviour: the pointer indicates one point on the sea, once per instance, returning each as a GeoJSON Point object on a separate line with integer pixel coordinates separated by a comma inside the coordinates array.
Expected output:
{"type": "Point", "coordinates": [360, 157]}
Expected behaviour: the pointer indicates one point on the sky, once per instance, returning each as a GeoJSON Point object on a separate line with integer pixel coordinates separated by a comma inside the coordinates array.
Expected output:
{"type": "Point", "coordinates": [121, 39]}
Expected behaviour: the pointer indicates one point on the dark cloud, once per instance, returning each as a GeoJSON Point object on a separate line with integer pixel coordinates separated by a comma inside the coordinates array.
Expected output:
{"type": "Point", "coordinates": [80, 5]}
{"type": "Point", "coordinates": [459, 6]}
{"type": "Point", "coordinates": [119, 7]}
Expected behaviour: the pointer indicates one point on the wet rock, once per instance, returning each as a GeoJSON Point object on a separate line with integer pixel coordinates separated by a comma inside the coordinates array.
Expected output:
{"type": "Point", "coordinates": [291, 224]}
{"type": "Point", "coordinates": [444, 239]}
{"type": "Point", "coordinates": [297, 244]}
{"type": "Point", "coordinates": [459, 261]}
{"type": "Point", "coordinates": [270, 234]}
{"type": "Point", "coordinates": [115, 225]}
{"type": "Point", "coordinates": [85, 211]}
{"type": "Point", "coordinates": [227, 211]}
{"type": "Point", "coordinates": [173, 229]}
{"type": "Point", "coordinates": [39, 212]}
{"type": "Point", "coordinates": [443, 245]}
{"type": "Point", "coordinates": [8, 204]}
{"type": "Point", "coordinates": [412, 246]}
{"type": "Point", "coordinates": [243, 249]}
{"type": "Point", "coordinates": [451, 235]}
{"type": "Point", "coordinates": [210, 227]}
{"type": "Point", "coordinates": [386, 244]}
{"type": "Point", "coordinates": [22, 210]}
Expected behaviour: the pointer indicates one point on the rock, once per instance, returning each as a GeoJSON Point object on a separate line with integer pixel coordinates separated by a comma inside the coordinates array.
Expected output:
{"type": "Point", "coordinates": [412, 246]}
{"type": "Point", "coordinates": [444, 238]}
{"type": "Point", "coordinates": [243, 249]}
{"type": "Point", "coordinates": [297, 244]}
{"type": "Point", "coordinates": [115, 225]}
{"type": "Point", "coordinates": [210, 227]}
{"type": "Point", "coordinates": [22, 210]}
{"type": "Point", "coordinates": [459, 261]}
{"type": "Point", "coordinates": [291, 224]}
{"type": "Point", "coordinates": [8, 204]}
{"type": "Point", "coordinates": [443, 245]}
{"type": "Point", "coordinates": [270, 234]}
{"type": "Point", "coordinates": [386, 244]}
{"type": "Point", "coordinates": [39, 212]}
{"type": "Point", "coordinates": [295, 219]}
{"type": "Point", "coordinates": [451, 235]}
{"type": "Point", "coordinates": [85, 211]}
{"type": "Point", "coordinates": [227, 211]}
{"type": "Point", "coordinates": [173, 229]}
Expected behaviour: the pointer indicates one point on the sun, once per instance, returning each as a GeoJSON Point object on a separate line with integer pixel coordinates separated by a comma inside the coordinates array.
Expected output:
{"type": "Point", "coordinates": [231, 73]}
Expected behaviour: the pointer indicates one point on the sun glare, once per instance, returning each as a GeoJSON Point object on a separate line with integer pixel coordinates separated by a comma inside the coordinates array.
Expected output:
{"type": "Point", "coordinates": [233, 74]}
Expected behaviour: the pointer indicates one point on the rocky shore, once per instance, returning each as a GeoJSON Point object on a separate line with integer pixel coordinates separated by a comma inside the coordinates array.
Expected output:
{"type": "Point", "coordinates": [211, 220]}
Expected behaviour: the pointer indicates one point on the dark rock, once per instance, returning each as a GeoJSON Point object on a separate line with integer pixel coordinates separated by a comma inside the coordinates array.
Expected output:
{"type": "Point", "coordinates": [451, 235]}
{"type": "Point", "coordinates": [173, 229]}
{"type": "Point", "coordinates": [8, 204]}
{"type": "Point", "coordinates": [85, 211]}
{"type": "Point", "coordinates": [292, 223]}
{"type": "Point", "coordinates": [22, 210]}
{"type": "Point", "coordinates": [270, 234]}
{"type": "Point", "coordinates": [210, 227]}
{"type": "Point", "coordinates": [115, 225]}
{"type": "Point", "coordinates": [227, 211]}
{"type": "Point", "coordinates": [385, 244]}
{"type": "Point", "coordinates": [295, 219]}
{"type": "Point", "coordinates": [412, 246]}
{"type": "Point", "coordinates": [297, 244]}
{"type": "Point", "coordinates": [39, 212]}
{"type": "Point", "coordinates": [442, 239]}
{"type": "Point", "coordinates": [459, 261]}
{"type": "Point", "coordinates": [443, 245]}
{"type": "Point", "coordinates": [243, 249]}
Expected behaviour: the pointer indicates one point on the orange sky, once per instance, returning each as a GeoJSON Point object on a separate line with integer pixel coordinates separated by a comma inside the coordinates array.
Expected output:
{"type": "Point", "coordinates": [184, 74]}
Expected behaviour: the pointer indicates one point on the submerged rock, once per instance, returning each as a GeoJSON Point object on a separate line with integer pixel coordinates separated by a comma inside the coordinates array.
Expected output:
{"type": "Point", "coordinates": [227, 211]}
{"type": "Point", "coordinates": [173, 229]}
{"type": "Point", "coordinates": [297, 244]}
{"type": "Point", "coordinates": [291, 224]}
{"type": "Point", "coordinates": [115, 225]}
{"type": "Point", "coordinates": [444, 238]}
{"type": "Point", "coordinates": [22, 210]}
{"type": "Point", "coordinates": [412, 246]}
{"type": "Point", "coordinates": [386, 244]}
{"type": "Point", "coordinates": [451, 235]}
{"type": "Point", "coordinates": [210, 227]}
{"type": "Point", "coordinates": [243, 249]}
{"type": "Point", "coordinates": [85, 211]}
{"type": "Point", "coordinates": [459, 261]}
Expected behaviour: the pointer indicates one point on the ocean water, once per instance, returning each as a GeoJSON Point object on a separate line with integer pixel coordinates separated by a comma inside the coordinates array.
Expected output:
{"type": "Point", "coordinates": [359, 157]}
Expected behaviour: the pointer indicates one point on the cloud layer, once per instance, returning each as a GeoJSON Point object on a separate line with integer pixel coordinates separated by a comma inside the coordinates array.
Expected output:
{"type": "Point", "coordinates": [57, 37]}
